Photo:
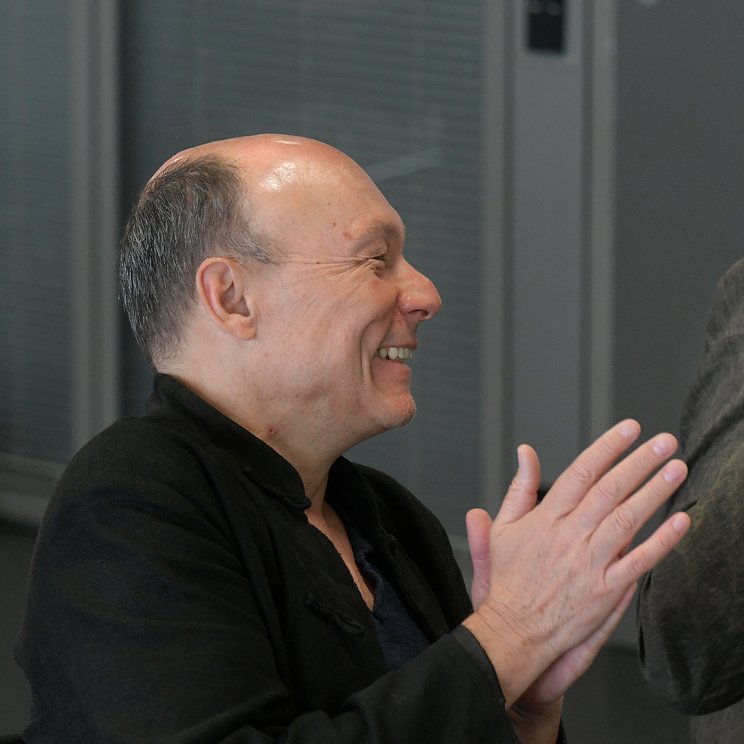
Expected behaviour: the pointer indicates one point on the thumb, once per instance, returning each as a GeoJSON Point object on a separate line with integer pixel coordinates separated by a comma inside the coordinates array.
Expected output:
{"type": "Point", "coordinates": [521, 497]}
{"type": "Point", "coordinates": [478, 526]}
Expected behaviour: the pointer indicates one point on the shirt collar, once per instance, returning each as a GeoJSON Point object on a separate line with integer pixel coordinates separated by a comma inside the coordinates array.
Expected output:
{"type": "Point", "coordinates": [258, 461]}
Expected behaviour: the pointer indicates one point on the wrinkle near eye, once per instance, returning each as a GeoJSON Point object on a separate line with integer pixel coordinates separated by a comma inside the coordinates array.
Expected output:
{"type": "Point", "coordinates": [329, 260]}
{"type": "Point", "coordinates": [347, 262]}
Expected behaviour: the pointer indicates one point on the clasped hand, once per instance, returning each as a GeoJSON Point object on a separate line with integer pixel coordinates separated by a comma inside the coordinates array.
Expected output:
{"type": "Point", "coordinates": [552, 580]}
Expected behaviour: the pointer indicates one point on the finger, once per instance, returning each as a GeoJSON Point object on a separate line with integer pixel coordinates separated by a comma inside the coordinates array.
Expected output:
{"type": "Point", "coordinates": [643, 558]}
{"type": "Point", "coordinates": [576, 481]}
{"type": "Point", "coordinates": [621, 525]}
{"type": "Point", "coordinates": [579, 659]}
{"type": "Point", "coordinates": [594, 643]}
{"type": "Point", "coordinates": [478, 526]}
{"type": "Point", "coordinates": [584, 654]}
{"type": "Point", "coordinates": [617, 484]}
{"type": "Point", "coordinates": [522, 494]}
{"type": "Point", "coordinates": [563, 672]}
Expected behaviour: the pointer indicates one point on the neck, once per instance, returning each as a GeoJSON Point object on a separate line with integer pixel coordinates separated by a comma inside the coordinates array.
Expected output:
{"type": "Point", "coordinates": [312, 468]}
{"type": "Point", "coordinates": [310, 453]}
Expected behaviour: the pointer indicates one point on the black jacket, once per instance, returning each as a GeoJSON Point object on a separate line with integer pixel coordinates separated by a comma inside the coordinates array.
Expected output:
{"type": "Point", "coordinates": [178, 594]}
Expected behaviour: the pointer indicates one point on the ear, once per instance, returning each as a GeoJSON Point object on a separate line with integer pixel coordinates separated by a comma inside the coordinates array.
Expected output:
{"type": "Point", "coordinates": [222, 285]}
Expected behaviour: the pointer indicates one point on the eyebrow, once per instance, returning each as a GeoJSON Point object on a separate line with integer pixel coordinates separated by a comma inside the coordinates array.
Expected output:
{"type": "Point", "coordinates": [386, 231]}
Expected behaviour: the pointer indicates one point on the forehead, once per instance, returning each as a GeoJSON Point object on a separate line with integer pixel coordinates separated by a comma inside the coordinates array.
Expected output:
{"type": "Point", "coordinates": [357, 212]}
{"type": "Point", "coordinates": [332, 213]}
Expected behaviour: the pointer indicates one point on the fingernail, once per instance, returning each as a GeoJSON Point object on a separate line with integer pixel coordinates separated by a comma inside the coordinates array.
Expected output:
{"type": "Point", "coordinates": [664, 444]}
{"type": "Point", "coordinates": [673, 472]}
{"type": "Point", "coordinates": [520, 457]}
{"type": "Point", "coordinates": [628, 428]}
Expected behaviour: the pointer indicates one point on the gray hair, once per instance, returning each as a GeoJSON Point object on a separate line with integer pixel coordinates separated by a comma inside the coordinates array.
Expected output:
{"type": "Point", "coordinates": [192, 210]}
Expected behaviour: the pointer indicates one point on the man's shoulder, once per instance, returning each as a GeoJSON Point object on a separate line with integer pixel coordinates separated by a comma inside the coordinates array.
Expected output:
{"type": "Point", "coordinates": [138, 444]}
{"type": "Point", "coordinates": [141, 458]}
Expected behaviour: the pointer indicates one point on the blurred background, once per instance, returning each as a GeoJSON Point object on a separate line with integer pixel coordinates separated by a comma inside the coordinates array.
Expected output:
{"type": "Point", "coordinates": [571, 174]}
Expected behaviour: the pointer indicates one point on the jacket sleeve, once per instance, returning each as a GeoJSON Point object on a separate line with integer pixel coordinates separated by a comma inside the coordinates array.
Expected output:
{"type": "Point", "coordinates": [142, 627]}
{"type": "Point", "coordinates": [691, 610]}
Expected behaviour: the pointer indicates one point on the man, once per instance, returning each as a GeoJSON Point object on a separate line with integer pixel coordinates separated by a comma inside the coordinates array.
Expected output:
{"type": "Point", "coordinates": [691, 617]}
{"type": "Point", "coordinates": [217, 571]}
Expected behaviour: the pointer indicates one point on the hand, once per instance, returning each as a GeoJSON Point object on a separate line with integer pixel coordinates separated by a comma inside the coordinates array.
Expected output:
{"type": "Point", "coordinates": [552, 581]}
{"type": "Point", "coordinates": [564, 671]}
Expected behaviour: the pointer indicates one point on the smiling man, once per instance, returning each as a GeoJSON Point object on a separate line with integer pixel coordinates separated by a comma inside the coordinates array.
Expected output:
{"type": "Point", "coordinates": [217, 571]}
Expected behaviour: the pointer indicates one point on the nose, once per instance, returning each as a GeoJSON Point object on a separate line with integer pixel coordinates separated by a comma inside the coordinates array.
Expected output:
{"type": "Point", "coordinates": [418, 296]}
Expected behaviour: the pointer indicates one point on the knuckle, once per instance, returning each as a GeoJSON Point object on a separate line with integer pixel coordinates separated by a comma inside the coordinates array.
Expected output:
{"type": "Point", "coordinates": [638, 562]}
{"type": "Point", "coordinates": [564, 545]}
{"type": "Point", "coordinates": [514, 486]}
{"type": "Point", "coordinates": [625, 519]}
{"type": "Point", "coordinates": [581, 474]}
{"type": "Point", "coordinates": [608, 490]}
{"type": "Point", "coordinates": [608, 446]}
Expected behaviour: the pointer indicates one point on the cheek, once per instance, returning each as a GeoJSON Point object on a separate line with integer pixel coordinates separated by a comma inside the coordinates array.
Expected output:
{"type": "Point", "coordinates": [334, 320]}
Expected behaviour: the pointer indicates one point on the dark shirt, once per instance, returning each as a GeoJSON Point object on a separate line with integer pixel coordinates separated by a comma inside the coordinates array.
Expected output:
{"type": "Point", "coordinates": [399, 635]}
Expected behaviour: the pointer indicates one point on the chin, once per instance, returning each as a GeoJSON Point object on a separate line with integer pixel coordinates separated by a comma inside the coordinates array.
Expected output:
{"type": "Point", "coordinates": [401, 417]}
{"type": "Point", "coordinates": [394, 412]}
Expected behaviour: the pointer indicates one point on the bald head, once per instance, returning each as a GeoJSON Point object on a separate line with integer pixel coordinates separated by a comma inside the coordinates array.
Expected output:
{"type": "Point", "coordinates": [260, 154]}
{"type": "Point", "coordinates": [286, 179]}
{"type": "Point", "coordinates": [242, 198]}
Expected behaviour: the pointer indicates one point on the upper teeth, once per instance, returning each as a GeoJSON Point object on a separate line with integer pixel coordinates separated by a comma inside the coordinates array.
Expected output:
{"type": "Point", "coordinates": [394, 352]}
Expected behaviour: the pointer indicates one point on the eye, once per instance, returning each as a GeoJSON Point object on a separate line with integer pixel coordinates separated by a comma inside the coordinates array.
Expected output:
{"type": "Point", "coordinates": [379, 263]}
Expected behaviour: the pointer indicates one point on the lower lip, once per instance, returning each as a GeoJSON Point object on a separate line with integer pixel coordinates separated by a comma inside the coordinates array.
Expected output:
{"type": "Point", "coordinates": [395, 364]}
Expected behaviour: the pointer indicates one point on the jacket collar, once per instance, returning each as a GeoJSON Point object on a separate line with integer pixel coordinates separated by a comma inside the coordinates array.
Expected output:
{"type": "Point", "coordinates": [258, 461]}
{"type": "Point", "coordinates": [348, 490]}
